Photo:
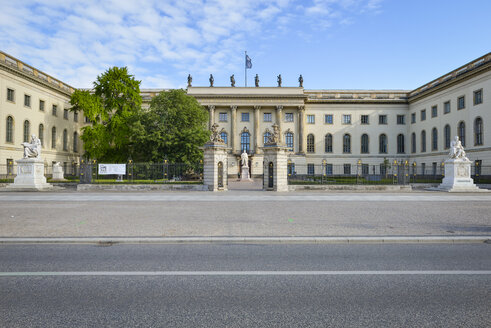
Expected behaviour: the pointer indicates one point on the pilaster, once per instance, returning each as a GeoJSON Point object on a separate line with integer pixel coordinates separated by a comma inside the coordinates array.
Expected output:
{"type": "Point", "coordinates": [211, 109]}
{"type": "Point", "coordinates": [233, 130]}
{"type": "Point", "coordinates": [302, 142]}
{"type": "Point", "coordinates": [256, 130]}
{"type": "Point", "coordinates": [279, 115]}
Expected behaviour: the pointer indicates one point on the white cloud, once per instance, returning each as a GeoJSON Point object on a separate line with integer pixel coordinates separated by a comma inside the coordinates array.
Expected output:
{"type": "Point", "coordinates": [75, 41]}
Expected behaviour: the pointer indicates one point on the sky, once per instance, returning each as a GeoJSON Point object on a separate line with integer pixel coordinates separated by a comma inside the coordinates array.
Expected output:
{"type": "Point", "coordinates": [334, 44]}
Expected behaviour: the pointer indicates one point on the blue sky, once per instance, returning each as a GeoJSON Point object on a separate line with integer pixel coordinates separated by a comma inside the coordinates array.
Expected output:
{"type": "Point", "coordinates": [334, 44]}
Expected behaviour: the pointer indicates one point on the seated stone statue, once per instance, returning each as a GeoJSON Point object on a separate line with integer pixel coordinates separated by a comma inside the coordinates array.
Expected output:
{"type": "Point", "coordinates": [32, 149]}
{"type": "Point", "coordinates": [457, 150]}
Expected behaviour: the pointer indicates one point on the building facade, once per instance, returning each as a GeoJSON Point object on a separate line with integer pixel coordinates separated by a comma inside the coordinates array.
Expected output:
{"type": "Point", "coordinates": [33, 102]}
{"type": "Point", "coordinates": [321, 128]}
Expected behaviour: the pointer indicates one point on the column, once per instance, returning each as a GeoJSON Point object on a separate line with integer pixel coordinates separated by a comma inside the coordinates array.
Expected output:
{"type": "Point", "coordinates": [233, 130]}
{"type": "Point", "coordinates": [256, 130]}
{"type": "Point", "coordinates": [211, 109]}
{"type": "Point", "coordinates": [279, 115]}
{"type": "Point", "coordinates": [301, 130]}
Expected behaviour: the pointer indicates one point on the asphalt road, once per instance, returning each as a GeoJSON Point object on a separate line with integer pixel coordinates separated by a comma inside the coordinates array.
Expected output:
{"type": "Point", "coordinates": [245, 285]}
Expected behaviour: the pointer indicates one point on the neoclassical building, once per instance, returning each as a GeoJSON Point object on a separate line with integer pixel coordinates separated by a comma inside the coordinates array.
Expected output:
{"type": "Point", "coordinates": [321, 128]}
{"type": "Point", "coordinates": [33, 102]}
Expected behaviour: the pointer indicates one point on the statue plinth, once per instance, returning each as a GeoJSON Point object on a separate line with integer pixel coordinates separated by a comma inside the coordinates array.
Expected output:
{"type": "Point", "coordinates": [58, 173]}
{"type": "Point", "coordinates": [458, 176]}
{"type": "Point", "coordinates": [244, 174]}
{"type": "Point", "coordinates": [30, 175]}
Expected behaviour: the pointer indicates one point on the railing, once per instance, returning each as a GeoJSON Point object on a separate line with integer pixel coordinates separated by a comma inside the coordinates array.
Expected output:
{"type": "Point", "coordinates": [143, 173]}
{"type": "Point", "coordinates": [385, 174]}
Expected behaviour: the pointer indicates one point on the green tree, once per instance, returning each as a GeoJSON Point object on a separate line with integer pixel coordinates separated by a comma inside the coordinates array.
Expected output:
{"type": "Point", "coordinates": [174, 127]}
{"type": "Point", "coordinates": [113, 109]}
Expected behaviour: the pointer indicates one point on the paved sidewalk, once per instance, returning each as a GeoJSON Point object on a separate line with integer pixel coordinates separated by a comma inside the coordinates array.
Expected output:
{"type": "Point", "coordinates": [243, 213]}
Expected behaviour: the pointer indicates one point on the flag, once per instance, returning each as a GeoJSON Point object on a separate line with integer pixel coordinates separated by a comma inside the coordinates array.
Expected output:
{"type": "Point", "coordinates": [248, 62]}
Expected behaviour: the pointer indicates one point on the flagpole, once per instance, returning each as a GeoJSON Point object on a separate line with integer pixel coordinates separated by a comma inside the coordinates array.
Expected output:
{"type": "Point", "coordinates": [245, 68]}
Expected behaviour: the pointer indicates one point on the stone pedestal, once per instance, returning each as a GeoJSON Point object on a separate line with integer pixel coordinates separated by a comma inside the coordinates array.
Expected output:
{"type": "Point", "coordinates": [30, 175]}
{"type": "Point", "coordinates": [275, 168]}
{"type": "Point", "coordinates": [244, 174]}
{"type": "Point", "coordinates": [215, 169]}
{"type": "Point", "coordinates": [458, 176]}
{"type": "Point", "coordinates": [58, 173]}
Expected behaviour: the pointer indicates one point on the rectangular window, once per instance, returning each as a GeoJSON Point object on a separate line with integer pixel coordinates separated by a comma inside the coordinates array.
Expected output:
{"type": "Point", "coordinates": [310, 169]}
{"type": "Point", "coordinates": [434, 111]}
{"type": "Point", "coordinates": [54, 110]}
{"type": "Point", "coordinates": [245, 117]}
{"type": "Point", "coordinates": [267, 117]}
{"type": "Point", "coordinates": [86, 119]}
{"type": "Point", "coordinates": [75, 116]}
{"type": "Point", "coordinates": [310, 119]}
{"type": "Point", "coordinates": [289, 117]}
{"type": "Point", "coordinates": [10, 95]}
{"type": "Point", "coordinates": [328, 169]}
{"type": "Point", "coordinates": [433, 168]}
{"type": "Point", "coordinates": [401, 119]}
{"type": "Point", "coordinates": [347, 169]}
{"type": "Point", "coordinates": [461, 102]}
{"type": "Point", "coordinates": [364, 169]}
{"type": "Point", "coordinates": [222, 117]}
{"type": "Point", "coordinates": [478, 97]}
{"type": "Point", "coordinates": [423, 115]}
{"type": "Point", "coordinates": [423, 168]}
{"type": "Point", "coordinates": [41, 105]}
{"type": "Point", "coordinates": [446, 107]}
{"type": "Point", "coordinates": [382, 119]}
{"type": "Point", "coordinates": [364, 119]}
{"type": "Point", "coordinates": [413, 118]}
{"type": "Point", "coordinates": [27, 100]}
{"type": "Point", "coordinates": [346, 119]}
{"type": "Point", "coordinates": [328, 118]}
{"type": "Point", "coordinates": [65, 114]}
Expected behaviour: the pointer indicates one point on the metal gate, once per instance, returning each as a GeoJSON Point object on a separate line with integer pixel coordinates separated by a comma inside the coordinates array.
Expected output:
{"type": "Point", "coordinates": [270, 175]}
{"type": "Point", "coordinates": [220, 175]}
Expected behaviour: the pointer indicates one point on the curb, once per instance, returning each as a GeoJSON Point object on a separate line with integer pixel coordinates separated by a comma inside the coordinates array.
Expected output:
{"type": "Point", "coordinates": [240, 240]}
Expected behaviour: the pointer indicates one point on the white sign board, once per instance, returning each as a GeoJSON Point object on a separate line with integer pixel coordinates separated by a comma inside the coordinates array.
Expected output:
{"type": "Point", "coordinates": [118, 169]}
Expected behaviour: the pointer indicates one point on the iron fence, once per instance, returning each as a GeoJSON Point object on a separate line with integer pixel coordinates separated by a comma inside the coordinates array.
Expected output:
{"type": "Point", "coordinates": [164, 172]}
{"type": "Point", "coordinates": [376, 174]}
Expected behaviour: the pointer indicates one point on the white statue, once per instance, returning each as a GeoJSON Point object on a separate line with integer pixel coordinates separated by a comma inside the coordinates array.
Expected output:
{"type": "Point", "coordinates": [244, 159]}
{"type": "Point", "coordinates": [457, 150]}
{"type": "Point", "coordinates": [32, 149]}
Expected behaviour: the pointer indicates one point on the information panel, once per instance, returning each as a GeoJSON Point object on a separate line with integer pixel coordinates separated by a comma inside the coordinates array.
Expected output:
{"type": "Point", "coordinates": [118, 169]}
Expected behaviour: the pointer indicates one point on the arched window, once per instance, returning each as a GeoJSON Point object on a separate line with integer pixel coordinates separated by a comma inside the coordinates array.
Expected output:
{"type": "Point", "coordinates": [266, 137]}
{"type": "Point", "coordinates": [53, 137]}
{"type": "Point", "coordinates": [41, 134]}
{"type": "Point", "coordinates": [400, 144]}
{"type": "Point", "coordinates": [478, 133]}
{"type": "Point", "coordinates": [423, 141]}
{"type": "Point", "coordinates": [223, 135]}
{"type": "Point", "coordinates": [364, 144]}
{"type": "Point", "coordinates": [413, 142]}
{"type": "Point", "coordinates": [328, 143]}
{"type": "Point", "coordinates": [75, 142]}
{"type": "Point", "coordinates": [434, 139]}
{"type": "Point", "coordinates": [346, 143]}
{"type": "Point", "coordinates": [382, 144]}
{"type": "Point", "coordinates": [10, 129]}
{"type": "Point", "coordinates": [447, 136]}
{"type": "Point", "coordinates": [310, 143]}
{"type": "Point", "coordinates": [27, 130]}
{"type": "Point", "coordinates": [461, 133]}
{"type": "Point", "coordinates": [289, 140]}
{"type": "Point", "coordinates": [245, 142]}
{"type": "Point", "coordinates": [65, 140]}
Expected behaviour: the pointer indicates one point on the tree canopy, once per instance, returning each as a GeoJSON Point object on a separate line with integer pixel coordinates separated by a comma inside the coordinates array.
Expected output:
{"type": "Point", "coordinates": [174, 128]}
{"type": "Point", "coordinates": [113, 109]}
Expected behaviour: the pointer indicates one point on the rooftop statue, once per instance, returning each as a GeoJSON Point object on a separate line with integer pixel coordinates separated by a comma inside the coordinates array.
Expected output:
{"type": "Point", "coordinates": [232, 80]}
{"type": "Point", "coordinates": [190, 80]}
{"type": "Point", "coordinates": [211, 80]}
{"type": "Point", "coordinates": [256, 80]}
{"type": "Point", "coordinates": [457, 150]}
{"type": "Point", "coordinates": [33, 149]}
{"type": "Point", "coordinates": [279, 80]}
{"type": "Point", "coordinates": [300, 81]}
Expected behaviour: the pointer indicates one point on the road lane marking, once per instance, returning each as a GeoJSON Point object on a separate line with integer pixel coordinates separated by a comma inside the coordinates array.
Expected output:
{"type": "Point", "coordinates": [242, 273]}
